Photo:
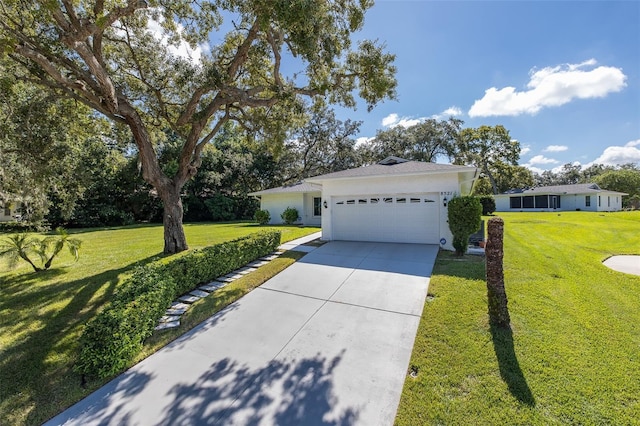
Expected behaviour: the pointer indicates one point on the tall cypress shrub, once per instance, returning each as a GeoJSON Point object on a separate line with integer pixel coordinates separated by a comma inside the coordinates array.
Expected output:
{"type": "Point", "coordinates": [464, 216]}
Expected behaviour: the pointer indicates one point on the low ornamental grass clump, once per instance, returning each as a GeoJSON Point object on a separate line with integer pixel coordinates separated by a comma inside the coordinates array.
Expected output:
{"type": "Point", "coordinates": [111, 341]}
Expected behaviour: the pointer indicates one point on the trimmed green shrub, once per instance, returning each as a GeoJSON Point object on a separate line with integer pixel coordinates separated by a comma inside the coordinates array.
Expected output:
{"type": "Point", "coordinates": [290, 215]}
{"type": "Point", "coordinates": [488, 204]}
{"type": "Point", "coordinates": [112, 339]}
{"type": "Point", "coordinates": [464, 214]}
{"type": "Point", "coordinates": [262, 216]}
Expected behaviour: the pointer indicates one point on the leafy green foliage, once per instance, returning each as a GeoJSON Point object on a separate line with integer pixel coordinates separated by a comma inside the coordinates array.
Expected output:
{"type": "Point", "coordinates": [114, 338]}
{"type": "Point", "coordinates": [47, 147]}
{"type": "Point", "coordinates": [464, 215]}
{"type": "Point", "coordinates": [489, 148]}
{"type": "Point", "coordinates": [104, 55]}
{"type": "Point", "coordinates": [624, 180]}
{"type": "Point", "coordinates": [290, 215]}
{"type": "Point", "coordinates": [424, 141]}
{"type": "Point", "coordinates": [221, 208]}
{"type": "Point", "coordinates": [262, 217]}
{"type": "Point", "coordinates": [488, 204]}
{"type": "Point", "coordinates": [322, 145]}
{"type": "Point", "coordinates": [22, 246]}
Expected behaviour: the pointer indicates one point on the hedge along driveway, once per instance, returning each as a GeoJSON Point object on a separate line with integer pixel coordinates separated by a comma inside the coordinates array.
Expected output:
{"type": "Point", "coordinates": [113, 339]}
{"type": "Point", "coordinates": [42, 315]}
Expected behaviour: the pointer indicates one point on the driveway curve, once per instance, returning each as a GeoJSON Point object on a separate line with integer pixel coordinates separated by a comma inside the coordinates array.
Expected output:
{"type": "Point", "coordinates": [325, 342]}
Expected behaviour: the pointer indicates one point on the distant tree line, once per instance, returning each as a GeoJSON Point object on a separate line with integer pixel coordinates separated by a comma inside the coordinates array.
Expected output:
{"type": "Point", "coordinates": [69, 167]}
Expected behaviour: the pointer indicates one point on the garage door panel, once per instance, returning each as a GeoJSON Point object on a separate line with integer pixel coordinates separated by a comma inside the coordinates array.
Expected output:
{"type": "Point", "coordinates": [387, 218]}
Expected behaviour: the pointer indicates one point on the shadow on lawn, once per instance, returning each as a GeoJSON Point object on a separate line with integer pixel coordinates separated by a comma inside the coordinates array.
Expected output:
{"type": "Point", "coordinates": [36, 366]}
{"type": "Point", "coordinates": [510, 370]}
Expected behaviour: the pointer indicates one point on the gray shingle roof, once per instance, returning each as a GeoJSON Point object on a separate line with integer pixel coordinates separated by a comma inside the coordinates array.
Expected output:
{"type": "Point", "coordinates": [578, 188]}
{"type": "Point", "coordinates": [402, 168]}
{"type": "Point", "coordinates": [296, 187]}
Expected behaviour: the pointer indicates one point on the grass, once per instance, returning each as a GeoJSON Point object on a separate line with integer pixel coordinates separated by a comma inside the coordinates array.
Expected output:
{"type": "Point", "coordinates": [41, 315]}
{"type": "Point", "coordinates": [573, 354]}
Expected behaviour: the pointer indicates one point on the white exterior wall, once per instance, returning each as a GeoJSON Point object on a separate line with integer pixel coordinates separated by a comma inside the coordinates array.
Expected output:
{"type": "Point", "coordinates": [444, 184]}
{"type": "Point", "coordinates": [11, 211]}
{"type": "Point", "coordinates": [608, 202]}
{"type": "Point", "coordinates": [276, 204]}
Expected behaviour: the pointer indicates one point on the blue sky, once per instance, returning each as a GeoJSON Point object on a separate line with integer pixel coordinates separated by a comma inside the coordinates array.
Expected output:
{"type": "Point", "coordinates": [563, 77]}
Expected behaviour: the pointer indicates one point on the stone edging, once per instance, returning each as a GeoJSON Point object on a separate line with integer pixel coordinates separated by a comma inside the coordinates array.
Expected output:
{"type": "Point", "coordinates": [171, 318]}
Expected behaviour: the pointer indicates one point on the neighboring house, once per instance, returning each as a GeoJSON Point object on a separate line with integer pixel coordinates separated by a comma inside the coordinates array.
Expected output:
{"type": "Point", "coordinates": [584, 196]}
{"type": "Point", "coordinates": [394, 200]}
{"type": "Point", "coordinates": [7, 212]}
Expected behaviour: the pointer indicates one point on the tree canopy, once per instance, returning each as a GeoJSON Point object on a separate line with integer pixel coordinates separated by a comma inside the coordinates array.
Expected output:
{"type": "Point", "coordinates": [121, 59]}
{"type": "Point", "coordinates": [489, 148]}
{"type": "Point", "coordinates": [425, 141]}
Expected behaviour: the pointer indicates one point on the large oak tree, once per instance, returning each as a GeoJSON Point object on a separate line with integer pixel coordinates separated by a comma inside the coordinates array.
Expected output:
{"type": "Point", "coordinates": [264, 57]}
{"type": "Point", "coordinates": [490, 148]}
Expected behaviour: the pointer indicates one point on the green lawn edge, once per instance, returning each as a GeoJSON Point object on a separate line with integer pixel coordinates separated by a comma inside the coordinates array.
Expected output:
{"type": "Point", "coordinates": [41, 315]}
{"type": "Point", "coordinates": [573, 354]}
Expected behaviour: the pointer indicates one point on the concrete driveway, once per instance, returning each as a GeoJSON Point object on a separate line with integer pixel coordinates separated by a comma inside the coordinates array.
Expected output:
{"type": "Point", "coordinates": [325, 342]}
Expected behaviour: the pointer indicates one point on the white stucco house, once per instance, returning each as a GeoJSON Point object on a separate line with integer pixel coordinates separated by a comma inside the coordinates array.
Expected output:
{"type": "Point", "coordinates": [584, 196]}
{"type": "Point", "coordinates": [8, 211]}
{"type": "Point", "coordinates": [395, 200]}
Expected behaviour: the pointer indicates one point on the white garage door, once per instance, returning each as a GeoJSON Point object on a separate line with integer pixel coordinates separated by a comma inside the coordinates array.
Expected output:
{"type": "Point", "coordinates": [405, 218]}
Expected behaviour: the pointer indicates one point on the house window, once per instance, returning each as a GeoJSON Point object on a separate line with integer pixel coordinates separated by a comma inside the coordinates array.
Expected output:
{"type": "Point", "coordinates": [608, 201]}
{"type": "Point", "coordinates": [542, 201]}
{"type": "Point", "coordinates": [362, 201]}
{"type": "Point", "coordinates": [374, 200]}
{"type": "Point", "coordinates": [527, 202]}
{"type": "Point", "coordinates": [515, 202]}
{"type": "Point", "coordinates": [351, 201]}
{"type": "Point", "coordinates": [415, 200]}
{"type": "Point", "coordinates": [317, 206]}
{"type": "Point", "coordinates": [401, 200]}
{"type": "Point", "coordinates": [587, 200]}
{"type": "Point", "coordinates": [599, 201]}
{"type": "Point", "coordinates": [7, 210]}
{"type": "Point", "coordinates": [388, 200]}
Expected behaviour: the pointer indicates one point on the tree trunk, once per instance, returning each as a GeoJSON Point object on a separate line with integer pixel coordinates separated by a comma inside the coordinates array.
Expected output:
{"type": "Point", "coordinates": [174, 238]}
{"type": "Point", "coordinates": [496, 294]}
{"type": "Point", "coordinates": [492, 180]}
{"type": "Point", "coordinates": [168, 190]}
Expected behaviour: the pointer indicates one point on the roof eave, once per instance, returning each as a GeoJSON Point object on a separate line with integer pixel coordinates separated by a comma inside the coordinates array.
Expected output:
{"type": "Point", "coordinates": [319, 179]}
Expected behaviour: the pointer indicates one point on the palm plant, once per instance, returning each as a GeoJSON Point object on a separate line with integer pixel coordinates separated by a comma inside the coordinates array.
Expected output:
{"type": "Point", "coordinates": [17, 247]}
{"type": "Point", "coordinates": [20, 246]}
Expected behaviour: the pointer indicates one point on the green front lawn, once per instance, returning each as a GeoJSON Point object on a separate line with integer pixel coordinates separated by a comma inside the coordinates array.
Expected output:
{"type": "Point", "coordinates": [573, 356]}
{"type": "Point", "coordinates": [41, 315]}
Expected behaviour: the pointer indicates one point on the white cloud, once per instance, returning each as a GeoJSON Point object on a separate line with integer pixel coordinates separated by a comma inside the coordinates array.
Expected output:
{"type": "Point", "coordinates": [613, 155]}
{"type": "Point", "coordinates": [525, 149]}
{"type": "Point", "coordinates": [541, 159]}
{"type": "Point", "coordinates": [549, 87]}
{"type": "Point", "coordinates": [183, 49]}
{"type": "Point", "coordinates": [534, 169]}
{"type": "Point", "coordinates": [452, 111]}
{"type": "Point", "coordinates": [390, 120]}
{"type": "Point", "coordinates": [555, 148]}
{"type": "Point", "coordinates": [394, 120]}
